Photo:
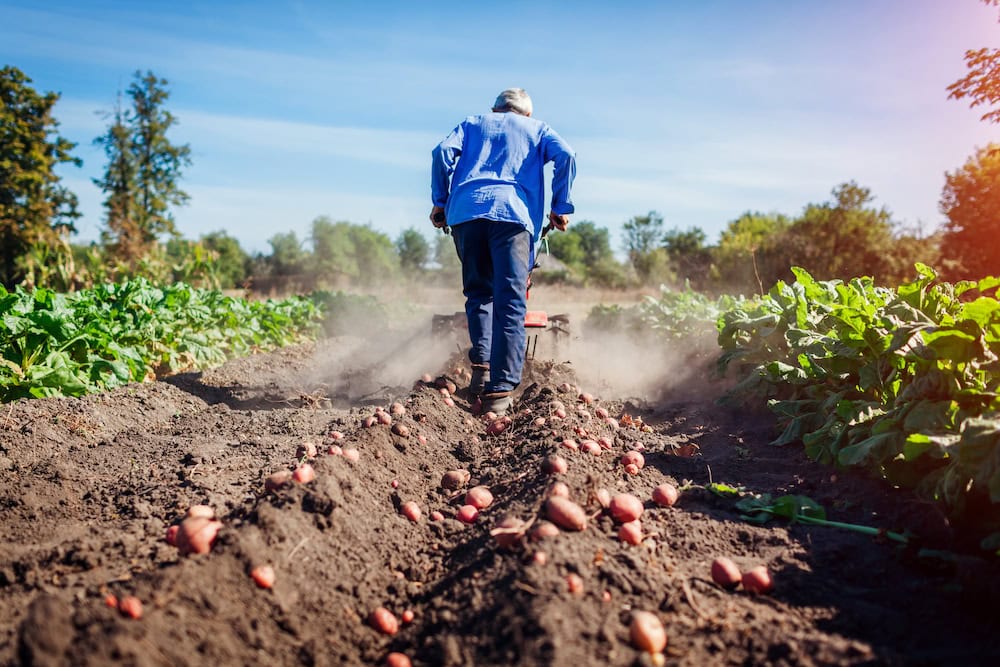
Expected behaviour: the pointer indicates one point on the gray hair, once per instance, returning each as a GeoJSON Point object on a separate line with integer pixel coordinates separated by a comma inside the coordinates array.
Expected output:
{"type": "Point", "coordinates": [513, 99]}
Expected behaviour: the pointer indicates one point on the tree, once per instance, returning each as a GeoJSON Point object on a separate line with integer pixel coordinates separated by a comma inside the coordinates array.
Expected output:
{"type": "Point", "coordinates": [643, 238]}
{"type": "Point", "coordinates": [689, 257]}
{"type": "Point", "coordinates": [34, 207]}
{"type": "Point", "coordinates": [141, 178]}
{"type": "Point", "coordinates": [351, 252]}
{"type": "Point", "coordinates": [971, 202]}
{"type": "Point", "coordinates": [287, 255]}
{"type": "Point", "coordinates": [413, 249]}
{"type": "Point", "coordinates": [982, 84]}
{"type": "Point", "coordinates": [231, 258]}
{"type": "Point", "coordinates": [446, 257]}
{"type": "Point", "coordinates": [740, 244]}
{"type": "Point", "coordinates": [843, 238]}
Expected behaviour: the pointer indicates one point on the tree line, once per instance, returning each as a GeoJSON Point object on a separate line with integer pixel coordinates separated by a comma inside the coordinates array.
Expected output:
{"type": "Point", "coordinates": [843, 237]}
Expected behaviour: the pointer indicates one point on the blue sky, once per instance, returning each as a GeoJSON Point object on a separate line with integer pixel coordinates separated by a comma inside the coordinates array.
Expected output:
{"type": "Point", "coordinates": [700, 110]}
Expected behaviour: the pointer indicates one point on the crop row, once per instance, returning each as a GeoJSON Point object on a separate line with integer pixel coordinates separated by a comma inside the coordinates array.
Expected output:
{"type": "Point", "coordinates": [54, 344]}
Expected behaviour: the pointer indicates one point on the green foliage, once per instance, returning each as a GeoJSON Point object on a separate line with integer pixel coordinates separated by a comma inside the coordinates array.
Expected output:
{"type": "Point", "coordinates": [982, 84]}
{"type": "Point", "coordinates": [230, 259]}
{"type": "Point", "coordinates": [740, 245]}
{"type": "Point", "coordinates": [643, 240]}
{"type": "Point", "coordinates": [141, 178]}
{"type": "Point", "coordinates": [345, 251]}
{"type": "Point", "coordinates": [54, 344]}
{"type": "Point", "coordinates": [971, 201]}
{"type": "Point", "coordinates": [287, 256]}
{"type": "Point", "coordinates": [414, 251]}
{"type": "Point", "coordinates": [689, 258]}
{"type": "Point", "coordinates": [446, 258]}
{"type": "Point", "coordinates": [34, 208]}
{"type": "Point", "coordinates": [902, 381]}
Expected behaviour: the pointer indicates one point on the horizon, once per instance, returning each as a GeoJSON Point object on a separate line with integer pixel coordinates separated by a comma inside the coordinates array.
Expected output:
{"type": "Point", "coordinates": [698, 112]}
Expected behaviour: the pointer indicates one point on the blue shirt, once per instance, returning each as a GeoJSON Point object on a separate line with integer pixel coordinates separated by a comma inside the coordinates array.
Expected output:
{"type": "Point", "coordinates": [490, 167]}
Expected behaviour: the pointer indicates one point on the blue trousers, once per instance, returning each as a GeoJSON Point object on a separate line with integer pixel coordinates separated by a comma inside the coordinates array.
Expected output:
{"type": "Point", "coordinates": [496, 259]}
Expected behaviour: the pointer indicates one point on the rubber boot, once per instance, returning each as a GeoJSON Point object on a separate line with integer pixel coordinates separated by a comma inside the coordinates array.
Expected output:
{"type": "Point", "coordinates": [480, 376]}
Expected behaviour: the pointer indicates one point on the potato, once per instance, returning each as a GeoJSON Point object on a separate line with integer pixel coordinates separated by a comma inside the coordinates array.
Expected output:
{"type": "Point", "coordinates": [606, 442]}
{"type": "Point", "coordinates": [601, 413]}
{"type": "Point", "coordinates": [352, 455]}
{"type": "Point", "coordinates": [539, 421]}
{"type": "Point", "coordinates": [455, 479]}
{"type": "Point", "coordinates": [665, 495]}
{"type": "Point", "coordinates": [401, 430]}
{"type": "Point", "coordinates": [479, 497]}
{"type": "Point", "coordinates": [725, 572]}
{"type": "Point", "coordinates": [410, 510]}
{"type": "Point", "coordinates": [565, 513]}
{"type": "Point", "coordinates": [554, 465]}
{"type": "Point", "coordinates": [203, 511]}
{"type": "Point", "coordinates": [397, 409]}
{"type": "Point", "coordinates": [196, 535]}
{"type": "Point", "coordinates": [384, 621]}
{"type": "Point", "coordinates": [306, 450]}
{"type": "Point", "coordinates": [591, 447]}
{"type": "Point", "coordinates": [544, 529]}
{"type": "Point", "coordinates": [335, 450]}
{"type": "Point", "coordinates": [647, 632]}
{"type": "Point", "coordinates": [131, 606]}
{"type": "Point", "coordinates": [625, 507]}
{"type": "Point", "coordinates": [171, 536]}
{"type": "Point", "coordinates": [437, 516]}
{"type": "Point", "coordinates": [396, 659]}
{"type": "Point", "coordinates": [585, 398]}
{"type": "Point", "coordinates": [336, 435]}
{"type": "Point", "coordinates": [757, 580]}
{"type": "Point", "coordinates": [558, 489]}
{"type": "Point", "coordinates": [633, 458]}
{"type": "Point", "coordinates": [574, 583]}
{"type": "Point", "coordinates": [384, 418]}
{"type": "Point", "coordinates": [632, 469]}
{"type": "Point", "coordinates": [467, 514]}
{"type": "Point", "coordinates": [508, 532]}
{"type": "Point", "coordinates": [263, 576]}
{"type": "Point", "coordinates": [631, 532]}
{"type": "Point", "coordinates": [368, 421]}
{"type": "Point", "coordinates": [540, 558]}
{"type": "Point", "coordinates": [407, 616]}
{"type": "Point", "coordinates": [603, 497]}
{"type": "Point", "coordinates": [304, 474]}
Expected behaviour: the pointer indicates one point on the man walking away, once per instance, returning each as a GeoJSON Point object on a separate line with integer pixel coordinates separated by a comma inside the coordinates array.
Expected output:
{"type": "Point", "coordinates": [487, 185]}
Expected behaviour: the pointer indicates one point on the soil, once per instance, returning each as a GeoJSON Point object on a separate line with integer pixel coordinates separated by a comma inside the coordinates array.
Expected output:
{"type": "Point", "coordinates": [91, 485]}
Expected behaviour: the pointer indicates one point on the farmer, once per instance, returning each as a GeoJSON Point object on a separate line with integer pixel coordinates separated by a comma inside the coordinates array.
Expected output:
{"type": "Point", "coordinates": [487, 185]}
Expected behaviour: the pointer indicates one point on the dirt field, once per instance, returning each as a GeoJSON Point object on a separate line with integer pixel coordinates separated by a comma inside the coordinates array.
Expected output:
{"type": "Point", "coordinates": [91, 485]}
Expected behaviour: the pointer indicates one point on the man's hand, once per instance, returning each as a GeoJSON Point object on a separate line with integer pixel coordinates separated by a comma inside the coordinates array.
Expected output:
{"type": "Point", "coordinates": [560, 222]}
{"type": "Point", "coordinates": [437, 217]}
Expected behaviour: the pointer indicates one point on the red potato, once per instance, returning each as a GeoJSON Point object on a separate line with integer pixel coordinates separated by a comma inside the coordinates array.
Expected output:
{"type": "Point", "coordinates": [111, 601]}
{"type": "Point", "coordinates": [402, 430]}
{"type": "Point", "coordinates": [559, 489]}
{"type": "Point", "coordinates": [450, 403]}
{"type": "Point", "coordinates": [489, 416]}
{"type": "Point", "coordinates": [540, 558]}
{"type": "Point", "coordinates": [574, 583]}
{"type": "Point", "coordinates": [647, 632]}
{"type": "Point", "coordinates": [307, 450]}
{"type": "Point", "coordinates": [394, 483]}
{"type": "Point", "coordinates": [455, 479]}
{"type": "Point", "coordinates": [335, 450]}
{"type": "Point", "coordinates": [725, 573]}
{"type": "Point", "coordinates": [554, 465]}
{"type": "Point", "coordinates": [397, 409]}
{"type": "Point", "coordinates": [304, 474]}
{"type": "Point", "coordinates": [632, 469]}
{"type": "Point", "coordinates": [569, 444]}
{"type": "Point", "coordinates": [352, 455]}
{"type": "Point", "coordinates": [606, 442]}
{"type": "Point", "coordinates": [444, 392]}
{"type": "Point", "coordinates": [565, 387]}
{"type": "Point", "coordinates": [613, 423]}
{"type": "Point", "coordinates": [479, 497]}
{"type": "Point", "coordinates": [630, 533]}
{"type": "Point", "coordinates": [544, 529]}
{"type": "Point", "coordinates": [171, 536]}
{"type": "Point", "coordinates": [336, 435]}
{"type": "Point", "coordinates": [508, 532]}
{"type": "Point", "coordinates": [131, 606]}
{"type": "Point", "coordinates": [557, 405]}
{"type": "Point", "coordinates": [601, 413]}
{"type": "Point", "coordinates": [407, 616]}
{"type": "Point", "coordinates": [384, 418]}
{"type": "Point", "coordinates": [196, 535]}
{"type": "Point", "coordinates": [411, 511]}
{"type": "Point", "coordinates": [368, 421]}
{"type": "Point", "coordinates": [625, 507]}
{"type": "Point", "coordinates": [585, 398]}
{"type": "Point", "coordinates": [202, 511]}
{"type": "Point", "coordinates": [384, 621]}
{"type": "Point", "coordinates": [757, 580]}
{"type": "Point", "coordinates": [278, 480]}
{"type": "Point", "coordinates": [426, 378]}
{"type": "Point", "coordinates": [396, 659]}
{"type": "Point", "coordinates": [565, 513]}
{"type": "Point", "coordinates": [467, 514]}
{"type": "Point", "coordinates": [539, 421]}
{"type": "Point", "coordinates": [606, 596]}
{"type": "Point", "coordinates": [422, 439]}
{"type": "Point", "coordinates": [591, 447]}
{"type": "Point", "coordinates": [497, 427]}
{"type": "Point", "coordinates": [263, 576]}
{"type": "Point", "coordinates": [603, 497]}
{"type": "Point", "coordinates": [584, 414]}
{"type": "Point", "coordinates": [665, 495]}
{"type": "Point", "coordinates": [559, 413]}
{"type": "Point", "coordinates": [634, 458]}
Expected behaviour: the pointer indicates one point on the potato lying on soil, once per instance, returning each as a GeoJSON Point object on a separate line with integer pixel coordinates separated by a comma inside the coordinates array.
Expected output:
{"type": "Point", "coordinates": [411, 511]}
{"type": "Point", "coordinates": [665, 495]}
{"type": "Point", "coordinates": [757, 580]}
{"type": "Point", "coordinates": [263, 576]}
{"type": "Point", "coordinates": [725, 572]}
{"type": "Point", "coordinates": [647, 632]}
{"type": "Point", "coordinates": [565, 513]}
{"type": "Point", "coordinates": [455, 479]}
{"type": "Point", "coordinates": [630, 533]}
{"type": "Point", "coordinates": [625, 507]}
{"type": "Point", "coordinates": [197, 535]}
{"type": "Point", "coordinates": [479, 497]}
{"type": "Point", "coordinates": [384, 621]}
